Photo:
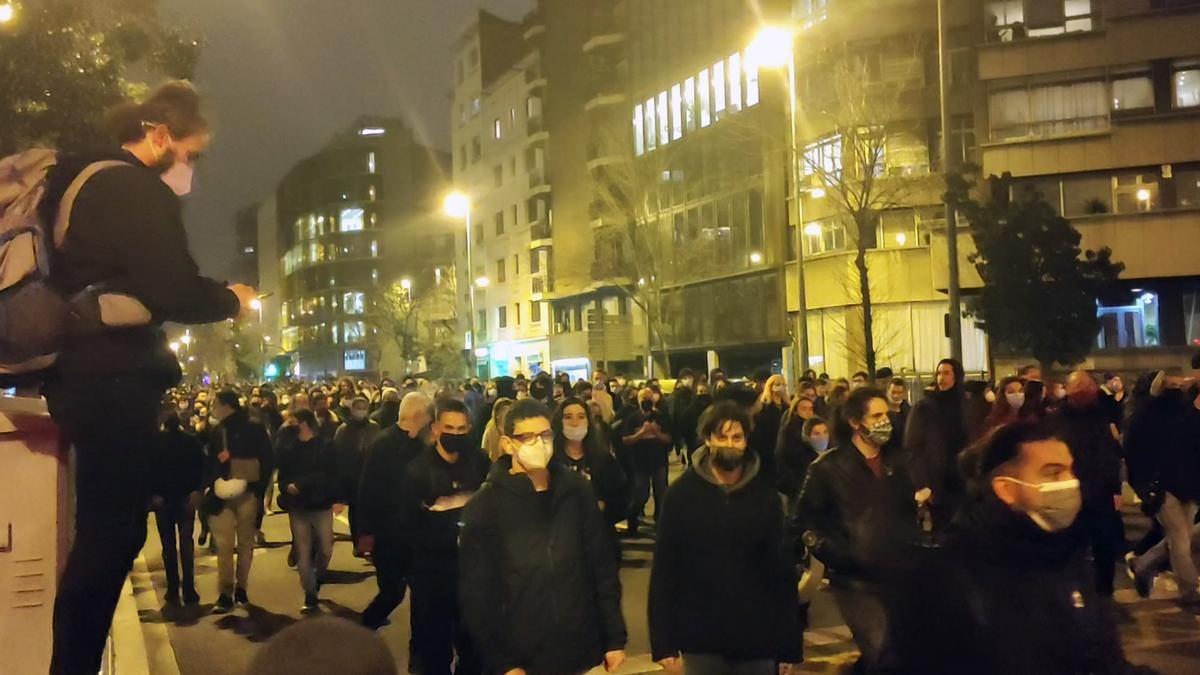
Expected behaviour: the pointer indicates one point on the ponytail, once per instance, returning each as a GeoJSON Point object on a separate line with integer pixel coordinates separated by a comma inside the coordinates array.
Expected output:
{"type": "Point", "coordinates": [176, 104]}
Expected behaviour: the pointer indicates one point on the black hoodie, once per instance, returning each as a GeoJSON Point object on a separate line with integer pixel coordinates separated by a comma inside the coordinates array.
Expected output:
{"type": "Point", "coordinates": [539, 585]}
{"type": "Point", "coordinates": [126, 231]}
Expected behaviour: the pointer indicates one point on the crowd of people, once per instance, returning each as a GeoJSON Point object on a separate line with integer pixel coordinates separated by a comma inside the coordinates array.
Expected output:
{"type": "Point", "coordinates": [501, 507]}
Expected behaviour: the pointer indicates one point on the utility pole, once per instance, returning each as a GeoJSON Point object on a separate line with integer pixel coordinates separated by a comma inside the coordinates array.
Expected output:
{"type": "Point", "coordinates": [953, 290]}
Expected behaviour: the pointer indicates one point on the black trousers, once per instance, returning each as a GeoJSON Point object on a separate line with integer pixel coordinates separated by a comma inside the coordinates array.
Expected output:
{"type": "Point", "coordinates": [178, 516]}
{"type": "Point", "coordinates": [391, 573]}
{"type": "Point", "coordinates": [112, 424]}
{"type": "Point", "coordinates": [437, 626]}
{"type": "Point", "coordinates": [1105, 531]}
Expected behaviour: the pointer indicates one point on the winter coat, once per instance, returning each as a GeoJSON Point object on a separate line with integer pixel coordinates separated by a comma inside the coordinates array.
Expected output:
{"type": "Point", "coordinates": [934, 435]}
{"type": "Point", "coordinates": [606, 478]}
{"type": "Point", "coordinates": [765, 435]}
{"type": "Point", "coordinates": [647, 454]}
{"type": "Point", "coordinates": [1096, 452]}
{"type": "Point", "coordinates": [178, 466]}
{"type": "Point", "coordinates": [312, 466]}
{"type": "Point", "coordinates": [350, 444]}
{"type": "Point", "coordinates": [1004, 596]}
{"type": "Point", "coordinates": [126, 232]}
{"type": "Point", "coordinates": [793, 455]}
{"type": "Point", "coordinates": [861, 523]}
{"type": "Point", "coordinates": [539, 584]}
{"type": "Point", "coordinates": [433, 535]}
{"type": "Point", "coordinates": [379, 511]}
{"type": "Point", "coordinates": [723, 580]}
{"type": "Point", "coordinates": [245, 439]}
{"type": "Point", "coordinates": [387, 415]}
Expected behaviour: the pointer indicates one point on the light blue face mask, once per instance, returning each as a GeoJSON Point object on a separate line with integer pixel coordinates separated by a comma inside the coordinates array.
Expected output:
{"type": "Point", "coordinates": [819, 444]}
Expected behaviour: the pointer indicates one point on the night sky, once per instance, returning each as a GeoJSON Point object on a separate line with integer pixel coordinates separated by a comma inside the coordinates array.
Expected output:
{"type": "Point", "coordinates": [282, 76]}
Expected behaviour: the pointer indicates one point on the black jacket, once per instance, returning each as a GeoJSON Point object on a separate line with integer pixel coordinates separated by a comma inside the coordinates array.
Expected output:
{"type": "Point", "coordinates": [934, 435]}
{"type": "Point", "coordinates": [608, 482]}
{"type": "Point", "coordinates": [433, 535]}
{"type": "Point", "coordinates": [681, 402]}
{"type": "Point", "coordinates": [539, 585]}
{"type": "Point", "coordinates": [245, 439]}
{"type": "Point", "coordinates": [1097, 453]}
{"type": "Point", "coordinates": [127, 232]}
{"type": "Point", "coordinates": [765, 435]}
{"type": "Point", "coordinates": [723, 580]}
{"type": "Point", "coordinates": [380, 506]}
{"type": "Point", "coordinates": [1005, 597]}
{"type": "Point", "coordinates": [178, 465]}
{"type": "Point", "coordinates": [351, 443]}
{"type": "Point", "coordinates": [647, 454]}
{"type": "Point", "coordinates": [793, 456]}
{"type": "Point", "coordinates": [861, 522]}
{"type": "Point", "coordinates": [387, 415]}
{"type": "Point", "coordinates": [313, 468]}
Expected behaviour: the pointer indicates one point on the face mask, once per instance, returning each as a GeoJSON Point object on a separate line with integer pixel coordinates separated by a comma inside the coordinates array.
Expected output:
{"type": "Point", "coordinates": [535, 456]}
{"type": "Point", "coordinates": [647, 406]}
{"type": "Point", "coordinates": [575, 433]}
{"type": "Point", "coordinates": [1016, 400]}
{"type": "Point", "coordinates": [819, 444]}
{"type": "Point", "coordinates": [358, 415]}
{"type": "Point", "coordinates": [726, 458]}
{"type": "Point", "coordinates": [453, 443]}
{"type": "Point", "coordinates": [179, 178]}
{"type": "Point", "coordinates": [880, 434]}
{"type": "Point", "coordinates": [1061, 502]}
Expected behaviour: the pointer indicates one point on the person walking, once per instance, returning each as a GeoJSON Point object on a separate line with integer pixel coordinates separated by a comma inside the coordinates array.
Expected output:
{"type": "Point", "coordinates": [646, 437]}
{"type": "Point", "coordinates": [105, 389]}
{"type": "Point", "coordinates": [308, 485]}
{"type": "Point", "coordinates": [771, 406]}
{"type": "Point", "coordinates": [381, 529]}
{"type": "Point", "coordinates": [540, 591]}
{"type": "Point", "coordinates": [580, 445]}
{"type": "Point", "coordinates": [438, 483]}
{"type": "Point", "coordinates": [935, 435]}
{"type": "Point", "coordinates": [236, 477]}
{"type": "Point", "coordinates": [796, 452]}
{"type": "Point", "coordinates": [350, 444]}
{"type": "Point", "coordinates": [722, 530]}
{"type": "Point", "coordinates": [179, 477]}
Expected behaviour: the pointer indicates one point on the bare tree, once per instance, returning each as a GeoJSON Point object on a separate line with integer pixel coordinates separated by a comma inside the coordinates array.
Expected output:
{"type": "Point", "coordinates": [421, 325]}
{"type": "Point", "coordinates": [866, 111]}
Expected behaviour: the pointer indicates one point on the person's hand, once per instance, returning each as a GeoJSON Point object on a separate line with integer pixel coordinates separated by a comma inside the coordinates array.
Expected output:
{"type": "Point", "coordinates": [672, 664]}
{"type": "Point", "coordinates": [246, 297]}
{"type": "Point", "coordinates": [292, 489]}
{"type": "Point", "coordinates": [223, 457]}
{"type": "Point", "coordinates": [338, 509]}
{"type": "Point", "coordinates": [194, 500]}
{"type": "Point", "coordinates": [614, 659]}
{"type": "Point", "coordinates": [1118, 502]}
{"type": "Point", "coordinates": [366, 544]}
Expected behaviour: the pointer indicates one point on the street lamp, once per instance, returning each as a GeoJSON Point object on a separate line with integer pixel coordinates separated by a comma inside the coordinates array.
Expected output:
{"type": "Point", "coordinates": [458, 205]}
{"type": "Point", "coordinates": [7, 12]}
{"type": "Point", "coordinates": [174, 346]}
{"type": "Point", "coordinates": [774, 47]}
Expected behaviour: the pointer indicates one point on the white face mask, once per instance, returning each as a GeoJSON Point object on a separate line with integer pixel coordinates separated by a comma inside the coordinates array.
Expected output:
{"type": "Point", "coordinates": [575, 433]}
{"type": "Point", "coordinates": [1016, 400]}
{"type": "Point", "coordinates": [1061, 502]}
{"type": "Point", "coordinates": [179, 178]}
{"type": "Point", "coordinates": [536, 455]}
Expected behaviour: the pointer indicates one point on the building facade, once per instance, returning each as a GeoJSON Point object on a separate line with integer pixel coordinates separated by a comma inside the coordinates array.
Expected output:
{"type": "Point", "coordinates": [245, 260]}
{"type": "Point", "coordinates": [351, 222]}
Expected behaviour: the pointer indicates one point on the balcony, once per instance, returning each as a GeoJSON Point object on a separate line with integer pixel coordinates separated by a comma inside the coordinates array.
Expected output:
{"type": "Point", "coordinates": [599, 157]}
{"type": "Point", "coordinates": [540, 235]}
{"type": "Point", "coordinates": [609, 37]}
{"type": "Point", "coordinates": [535, 129]}
{"type": "Point", "coordinates": [600, 99]}
{"type": "Point", "coordinates": [540, 284]}
{"type": "Point", "coordinates": [613, 338]}
{"type": "Point", "coordinates": [535, 25]}
{"type": "Point", "coordinates": [538, 183]}
{"type": "Point", "coordinates": [535, 79]}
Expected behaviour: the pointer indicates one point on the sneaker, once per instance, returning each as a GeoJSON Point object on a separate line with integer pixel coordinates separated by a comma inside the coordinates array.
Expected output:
{"type": "Point", "coordinates": [172, 597]}
{"type": "Point", "coordinates": [224, 605]}
{"type": "Point", "coordinates": [311, 604]}
{"type": "Point", "coordinates": [1143, 583]}
{"type": "Point", "coordinates": [260, 539]}
{"type": "Point", "coordinates": [191, 597]}
{"type": "Point", "coordinates": [203, 539]}
{"type": "Point", "coordinates": [240, 597]}
{"type": "Point", "coordinates": [291, 561]}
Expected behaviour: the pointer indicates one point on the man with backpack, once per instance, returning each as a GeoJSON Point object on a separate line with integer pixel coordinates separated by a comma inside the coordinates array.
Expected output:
{"type": "Point", "coordinates": [117, 233]}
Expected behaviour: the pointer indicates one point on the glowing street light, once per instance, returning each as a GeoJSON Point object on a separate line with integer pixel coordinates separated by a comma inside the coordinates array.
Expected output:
{"type": "Point", "coordinates": [406, 284]}
{"type": "Point", "coordinates": [1143, 195]}
{"type": "Point", "coordinates": [256, 305]}
{"type": "Point", "coordinates": [483, 282]}
{"type": "Point", "coordinates": [756, 258]}
{"type": "Point", "coordinates": [7, 12]}
{"type": "Point", "coordinates": [771, 48]}
{"type": "Point", "coordinates": [456, 205]}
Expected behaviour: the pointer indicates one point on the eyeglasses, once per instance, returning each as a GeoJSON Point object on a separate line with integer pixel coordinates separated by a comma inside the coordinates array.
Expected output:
{"type": "Point", "coordinates": [531, 438]}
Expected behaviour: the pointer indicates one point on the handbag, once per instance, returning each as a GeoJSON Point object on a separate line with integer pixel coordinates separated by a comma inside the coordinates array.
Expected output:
{"type": "Point", "coordinates": [211, 504]}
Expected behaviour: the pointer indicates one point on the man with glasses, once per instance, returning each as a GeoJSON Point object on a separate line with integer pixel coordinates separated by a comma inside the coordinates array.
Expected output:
{"type": "Point", "coordinates": [538, 574]}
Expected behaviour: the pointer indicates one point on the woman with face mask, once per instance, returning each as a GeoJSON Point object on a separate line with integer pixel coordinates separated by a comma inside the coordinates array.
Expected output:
{"type": "Point", "coordinates": [1010, 398]}
{"type": "Point", "coordinates": [772, 404]}
{"type": "Point", "coordinates": [581, 445]}
{"type": "Point", "coordinates": [800, 443]}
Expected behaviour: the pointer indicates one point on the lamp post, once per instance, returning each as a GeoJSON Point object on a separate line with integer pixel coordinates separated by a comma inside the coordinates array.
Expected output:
{"type": "Point", "coordinates": [7, 13]}
{"type": "Point", "coordinates": [952, 287]}
{"type": "Point", "coordinates": [458, 205]}
{"type": "Point", "coordinates": [773, 47]}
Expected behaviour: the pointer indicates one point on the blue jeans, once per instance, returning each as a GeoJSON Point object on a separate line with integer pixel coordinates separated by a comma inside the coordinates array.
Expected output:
{"type": "Point", "coordinates": [643, 481]}
{"type": "Point", "coordinates": [312, 530]}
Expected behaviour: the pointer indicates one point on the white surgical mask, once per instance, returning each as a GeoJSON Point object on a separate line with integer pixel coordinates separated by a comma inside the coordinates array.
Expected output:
{"type": "Point", "coordinates": [535, 455]}
{"type": "Point", "coordinates": [1061, 501]}
{"type": "Point", "coordinates": [819, 444]}
{"type": "Point", "coordinates": [1016, 400]}
{"type": "Point", "coordinates": [575, 433]}
{"type": "Point", "coordinates": [179, 178]}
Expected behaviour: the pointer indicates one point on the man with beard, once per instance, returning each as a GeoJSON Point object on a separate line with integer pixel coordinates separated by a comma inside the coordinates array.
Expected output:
{"type": "Point", "coordinates": [1084, 424]}
{"type": "Point", "coordinates": [936, 433]}
{"type": "Point", "coordinates": [723, 531]}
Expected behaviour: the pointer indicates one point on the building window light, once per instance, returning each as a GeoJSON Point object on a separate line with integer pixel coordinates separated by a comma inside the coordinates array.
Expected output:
{"type": "Point", "coordinates": [718, 86]}
{"type": "Point", "coordinates": [705, 92]}
{"type": "Point", "coordinates": [735, 82]}
{"type": "Point", "coordinates": [372, 131]}
{"type": "Point", "coordinates": [351, 220]}
{"type": "Point", "coordinates": [370, 162]}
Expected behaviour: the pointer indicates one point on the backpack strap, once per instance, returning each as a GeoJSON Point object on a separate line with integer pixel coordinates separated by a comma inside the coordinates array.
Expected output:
{"type": "Point", "coordinates": [68, 201]}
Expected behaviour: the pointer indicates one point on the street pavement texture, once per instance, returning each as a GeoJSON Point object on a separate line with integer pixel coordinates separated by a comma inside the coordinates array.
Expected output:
{"type": "Point", "coordinates": [192, 641]}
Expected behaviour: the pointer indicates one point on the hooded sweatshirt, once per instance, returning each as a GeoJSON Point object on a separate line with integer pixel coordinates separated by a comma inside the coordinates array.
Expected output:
{"type": "Point", "coordinates": [723, 580]}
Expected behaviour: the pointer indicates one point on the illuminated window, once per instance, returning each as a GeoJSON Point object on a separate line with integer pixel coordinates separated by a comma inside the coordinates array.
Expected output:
{"type": "Point", "coordinates": [371, 131]}
{"type": "Point", "coordinates": [705, 99]}
{"type": "Point", "coordinates": [718, 87]}
{"type": "Point", "coordinates": [824, 157]}
{"type": "Point", "coordinates": [651, 127]}
{"type": "Point", "coordinates": [354, 359]}
{"type": "Point", "coordinates": [664, 123]}
{"type": "Point", "coordinates": [374, 249]}
{"type": "Point", "coordinates": [676, 113]}
{"type": "Point", "coordinates": [639, 131]}
{"type": "Point", "coordinates": [1132, 92]}
{"type": "Point", "coordinates": [502, 317]}
{"type": "Point", "coordinates": [496, 129]}
{"type": "Point", "coordinates": [689, 104]}
{"type": "Point", "coordinates": [1186, 84]}
{"type": "Point", "coordinates": [248, 249]}
{"type": "Point", "coordinates": [353, 302]}
{"type": "Point", "coordinates": [351, 220]}
{"type": "Point", "coordinates": [353, 332]}
{"type": "Point", "coordinates": [735, 82]}
{"type": "Point", "coordinates": [370, 162]}
{"type": "Point", "coordinates": [751, 83]}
